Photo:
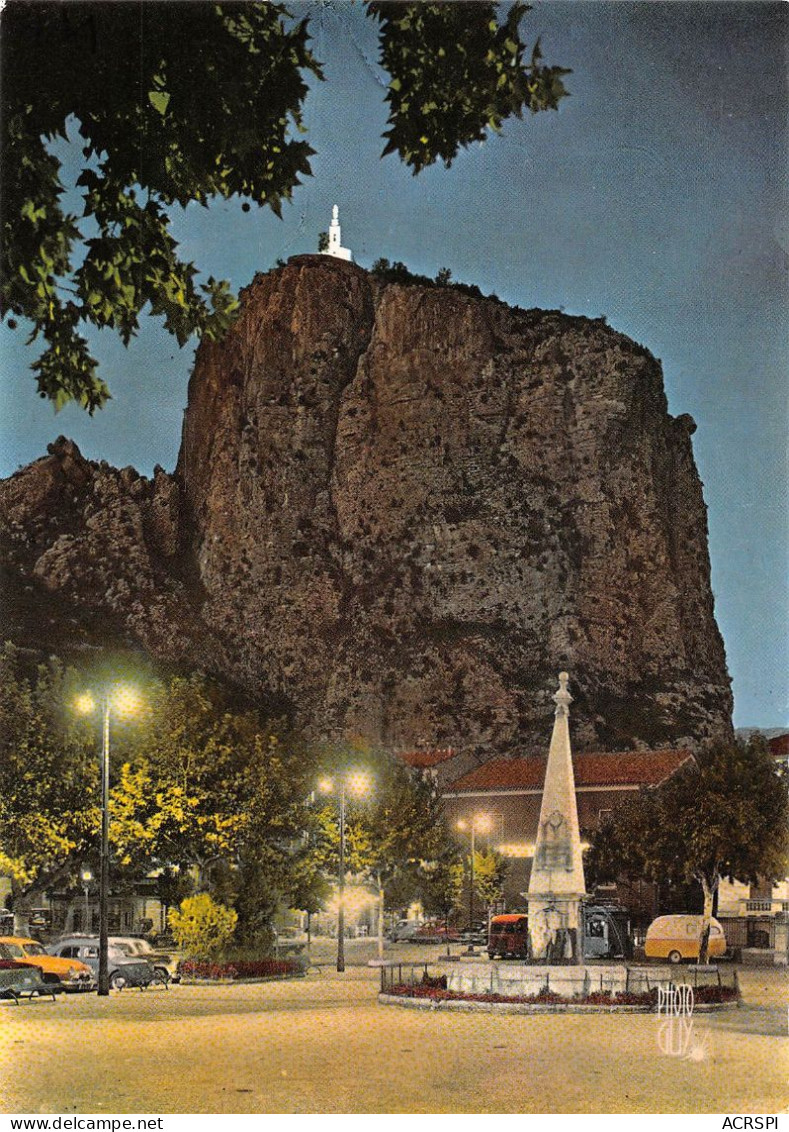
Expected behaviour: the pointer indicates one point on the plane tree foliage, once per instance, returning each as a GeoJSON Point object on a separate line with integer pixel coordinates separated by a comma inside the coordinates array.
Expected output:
{"type": "Point", "coordinates": [208, 787]}
{"type": "Point", "coordinates": [48, 777]}
{"type": "Point", "coordinates": [490, 872]}
{"type": "Point", "coordinates": [394, 834]}
{"type": "Point", "coordinates": [723, 815]}
{"type": "Point", "coordinates": [441, 884]}
{"type": "Point", "coordinates": [202, 789]}
{"type": "Point", "coordinates": [181, 102]}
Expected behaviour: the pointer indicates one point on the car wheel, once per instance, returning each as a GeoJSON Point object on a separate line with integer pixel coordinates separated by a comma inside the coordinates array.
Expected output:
{"type": "Point", "coordinates": [674, 957]}
{"type": "Point", "coordinates": [117, 981]}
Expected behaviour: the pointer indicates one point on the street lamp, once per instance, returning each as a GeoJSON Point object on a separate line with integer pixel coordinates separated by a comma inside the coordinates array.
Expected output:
{"type": "Point", "coordinates": [357, 783]}
{"type": "Point", "coordinates": [480, 823]}
{"type": "Point", "coordinates": [86, 876]}
{"type": "Point", "coordinates": [123, 701]}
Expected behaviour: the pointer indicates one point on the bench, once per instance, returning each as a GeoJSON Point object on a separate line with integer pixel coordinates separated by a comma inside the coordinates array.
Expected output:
{"type": "Point", "coordinates": [21, 982]}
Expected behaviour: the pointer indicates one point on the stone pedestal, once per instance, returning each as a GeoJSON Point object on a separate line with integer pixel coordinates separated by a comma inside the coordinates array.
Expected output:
{"type": "Point", "coordinates": [513, 979]}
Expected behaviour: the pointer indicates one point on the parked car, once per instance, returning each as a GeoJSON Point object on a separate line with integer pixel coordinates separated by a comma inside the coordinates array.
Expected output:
{"type": "Point", "coordinates": [404, 929]}
{"type": "Point", "coordinates": [475, 933]}
{"type": "Point", "coordinates": [164, 966]}
{"type": "Point", "coordinates": [69, 973]}
{"type": "Point", "coordinates": [124, 970]}
{"type": "Point", "coordinates": [435, 931]}
{"type": "Point", "coordinates": [677, 937]}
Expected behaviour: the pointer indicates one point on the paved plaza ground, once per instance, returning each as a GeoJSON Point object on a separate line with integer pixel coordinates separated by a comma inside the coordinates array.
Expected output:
{"type": "Point", "coordinates": [324, 1044]}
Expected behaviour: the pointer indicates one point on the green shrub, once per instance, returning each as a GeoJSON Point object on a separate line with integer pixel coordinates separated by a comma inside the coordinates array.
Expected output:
{"type": "Point", "coordinates": [201, 927]}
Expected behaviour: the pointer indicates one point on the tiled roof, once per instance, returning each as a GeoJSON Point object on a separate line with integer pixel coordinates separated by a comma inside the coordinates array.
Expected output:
{"type": "Point", "coordinates": [620, 768]}
{"type": "Point", "coordinates": [778, 745]}
{"type": "Point", "coordinates": [423, 759]}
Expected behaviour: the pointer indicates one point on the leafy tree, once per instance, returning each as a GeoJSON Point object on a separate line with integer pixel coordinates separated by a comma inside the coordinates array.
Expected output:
{"type": "Point", "coordinates": [213, 790]}
{"type": "Point", "coordinates": [323, 241]}
{"type": "Point", "coordinates": [180, 795]}
{"type": "Point", "coordinates": [390, 835]}
{"type": "Point", "coordinates": [172, 887]}
{"type": "Point", "coordinates": [407, 828]}
{"type": "Point", "coordinates": [490, 871]}
{"type": "Point", "coordinates": [397, 272]}
{"type": "Point", "coordinates": [49, 814]}
{"type": "Point", "coordinates": [185, 102]}
{"type": "Point", "coordinates": [197, 787]}
{"type": "Point", "coordinates": [455, 73]}
{"type": "Point", "coordinates": [201, 927]}
{"type": "Point", "coordinates": [274, 865]}
{"type": "Point", "coordinates": [443, 277]}
{"type": "Point", "coordinates": [724, 815]}
{"type": "Point", "coordinates": [441, 885]}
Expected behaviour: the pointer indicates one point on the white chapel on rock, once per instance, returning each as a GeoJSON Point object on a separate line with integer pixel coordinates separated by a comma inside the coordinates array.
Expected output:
{"type": "Point", "coordinates": [335, 247]}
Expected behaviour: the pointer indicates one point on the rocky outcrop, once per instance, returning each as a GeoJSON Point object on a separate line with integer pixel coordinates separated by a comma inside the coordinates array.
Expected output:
{"type": "Point", "coordinates": [399, 511]}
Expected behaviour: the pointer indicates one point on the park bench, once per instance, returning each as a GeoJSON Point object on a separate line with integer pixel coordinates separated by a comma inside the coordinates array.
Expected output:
{"type": "Point", "coordinates": [20, 982]}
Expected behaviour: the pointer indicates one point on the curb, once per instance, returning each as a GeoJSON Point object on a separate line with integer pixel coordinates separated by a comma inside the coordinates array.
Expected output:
{"type": "Point", "coordinates": [533, 1007]}
{"type": "Point", "coordinates": [188, 982]}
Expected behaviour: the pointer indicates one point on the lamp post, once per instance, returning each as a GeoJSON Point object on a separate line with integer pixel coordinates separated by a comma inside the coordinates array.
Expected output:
{"type": "Point", "coordinates": [124, 700]}
{"type": "Point", "coordinates": [480, 823]}
{"type": "Point", "coordinates": [357, 783]}
{"type": "Point", "coordinates": [86, 876]}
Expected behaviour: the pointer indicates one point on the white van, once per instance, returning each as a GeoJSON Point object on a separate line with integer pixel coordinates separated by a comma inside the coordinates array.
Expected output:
{"type": "Point", "coordinates": [677, 937]}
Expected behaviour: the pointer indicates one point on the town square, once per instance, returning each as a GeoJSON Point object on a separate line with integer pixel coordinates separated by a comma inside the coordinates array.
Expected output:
{"type": "Point", "coordinates": [394, 698]}
{"type": "Point", "coordinates": [323, 1044]}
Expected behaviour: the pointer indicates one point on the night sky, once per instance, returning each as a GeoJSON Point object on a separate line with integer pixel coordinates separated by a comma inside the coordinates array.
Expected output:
{"type": "Point", "coordinates": [656, 196]}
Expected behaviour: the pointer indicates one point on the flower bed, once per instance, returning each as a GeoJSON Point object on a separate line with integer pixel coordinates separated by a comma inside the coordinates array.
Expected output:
{"type": "Point", "coordinates": [434, 991]}
{"type": "Point", "coordinates": [240, 969]}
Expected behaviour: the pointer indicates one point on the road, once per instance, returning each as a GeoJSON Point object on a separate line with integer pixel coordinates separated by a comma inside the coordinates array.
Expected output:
{"type": "Point", "coordinates": [324, 1044]}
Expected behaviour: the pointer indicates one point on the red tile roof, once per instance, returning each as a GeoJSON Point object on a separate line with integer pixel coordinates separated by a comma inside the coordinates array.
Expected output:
{"type": "Point", "coordinates": [778, 745]}
{"type": "Point", "coordinates": [621, 768]}
{"type": "Point", "coordinates": [421, 760]}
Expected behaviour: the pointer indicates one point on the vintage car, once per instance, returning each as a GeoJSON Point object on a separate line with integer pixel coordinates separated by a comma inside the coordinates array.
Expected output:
{"type": "Point", "coordinates": [435, 931]}
{"type": "Point", "coordinates": [69, 973]}
{"type": "Point", "coordinates": [404, 929]}
{"type": "Point", "coordinates": [165, 967]}
{"type": "Point", "coordinates": [124, 970]}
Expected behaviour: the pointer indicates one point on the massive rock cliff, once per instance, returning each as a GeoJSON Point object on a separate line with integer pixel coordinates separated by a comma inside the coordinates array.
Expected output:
{"type": "Point", "coordinates": [398, 511]}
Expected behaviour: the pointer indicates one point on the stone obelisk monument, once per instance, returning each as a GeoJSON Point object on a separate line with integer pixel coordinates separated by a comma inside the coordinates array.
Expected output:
{"type": "Point", "coordinates": [557, 886]}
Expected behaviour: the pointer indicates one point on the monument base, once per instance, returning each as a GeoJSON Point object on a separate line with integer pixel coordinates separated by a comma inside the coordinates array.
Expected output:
{"type": "Point", "coordinates": [507, 978]}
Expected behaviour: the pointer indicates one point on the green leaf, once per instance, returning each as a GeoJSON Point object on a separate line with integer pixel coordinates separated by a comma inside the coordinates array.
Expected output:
{"type": "Point", "coordinates": [160, 100]}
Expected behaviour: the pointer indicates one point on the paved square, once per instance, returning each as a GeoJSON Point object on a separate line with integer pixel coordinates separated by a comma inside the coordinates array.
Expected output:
{"type": "Point", "coordinates": [324, 1044]}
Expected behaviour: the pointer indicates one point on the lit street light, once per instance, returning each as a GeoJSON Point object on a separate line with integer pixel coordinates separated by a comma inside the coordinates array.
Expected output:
{"type": "Point", "coordinates": [358, 783]}
{"type": "Point", "coordinates": [86, 876]}
{"type": "Point", "coordinates": [480, 823]}
{"type": "Point", "coordinates": [124, 701]}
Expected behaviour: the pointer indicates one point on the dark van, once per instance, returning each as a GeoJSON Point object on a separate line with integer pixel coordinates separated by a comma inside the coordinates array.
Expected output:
{"type": "Point", "coordinates": [508, 937]}
{"type": "Point", "coordinates": [606, 932]}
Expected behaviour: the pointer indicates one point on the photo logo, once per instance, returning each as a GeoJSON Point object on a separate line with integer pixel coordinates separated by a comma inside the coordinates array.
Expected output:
{"type": "Point", "coordinates": [676, 1031]}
